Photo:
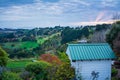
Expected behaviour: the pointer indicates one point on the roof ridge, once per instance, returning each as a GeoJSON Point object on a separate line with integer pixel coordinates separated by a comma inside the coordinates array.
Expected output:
{"type": "Point", "coordinates": [89, 44]}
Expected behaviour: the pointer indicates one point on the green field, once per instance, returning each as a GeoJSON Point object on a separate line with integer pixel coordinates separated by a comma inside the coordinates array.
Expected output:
{"type": "Point", "coordinates": [18, 64]}
{"type": "Point", "coordinates": [22, 45]}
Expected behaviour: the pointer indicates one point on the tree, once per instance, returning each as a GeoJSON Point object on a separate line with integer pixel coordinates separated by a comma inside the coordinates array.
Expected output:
{"type": "Point", "coordinates": [98, 37]}
{"type": "Point", "coordinates": [38, 70]}
{"type": "Point", "coordinates": [3, 57]}
{"type": "Point", "coordinates": [50, 58]}
{"type": "Point", "coordinates": [70, 34]}
{"type": "Point", "coordinates": [85, 31]}
{"type": "Point", "coordinates": [63, 57]}
{"type": "Point", "coordinates": [64, 72]}
{"type": "Point", "coordinates": [113, 37]}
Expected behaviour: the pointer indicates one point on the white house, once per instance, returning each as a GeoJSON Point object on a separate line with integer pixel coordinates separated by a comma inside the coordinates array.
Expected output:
{"type": "Point", "coordinates": [91, 61]}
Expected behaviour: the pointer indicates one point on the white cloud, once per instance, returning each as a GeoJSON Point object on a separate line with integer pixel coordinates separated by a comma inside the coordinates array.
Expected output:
{"type": "Point", "coordinates": [91, 23]}
{"type": "Point", "coordinates": [61, 12]}
{"type": "Point", "coordinates": [109, 3]}
{"type": "Point", "coordinates": [39, 8]}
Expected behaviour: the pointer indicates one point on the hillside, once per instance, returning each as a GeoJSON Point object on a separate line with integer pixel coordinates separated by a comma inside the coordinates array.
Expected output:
{"type": "Point", "coordinates": [23, 43]}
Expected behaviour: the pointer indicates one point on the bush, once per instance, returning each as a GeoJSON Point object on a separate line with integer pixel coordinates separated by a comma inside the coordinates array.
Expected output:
{"type": "Point", "coordinates": [3, 57]}
{"type": "Point", "coordinates": [114, 72]}
{"type": "Point", "coordinates": [10, 76]}
{"type": "Point", "coordinates": [114, 78]}
{"type": "Point", "coordinates": [50, 58]}
{"type": "Point", "coordinates": [38, 70]}
{"type": "Point", "coordinates": [62, 72]}
{"type": "Point", "coordinates": [65, 72]}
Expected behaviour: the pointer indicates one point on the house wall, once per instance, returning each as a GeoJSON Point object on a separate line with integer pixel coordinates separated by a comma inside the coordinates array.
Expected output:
{"type": "Point", "coordinates": [93, 70]}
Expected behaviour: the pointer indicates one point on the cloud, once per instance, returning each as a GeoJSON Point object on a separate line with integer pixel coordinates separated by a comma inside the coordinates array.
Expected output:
{"type": "Point", "coordinates": [91, 23]}
{"type": "Point", "coordinates": [109, 3]}
{"type": "Point", "coordinates": [34, 10]}
{"type": "Point", "coordinates": [63, 12]}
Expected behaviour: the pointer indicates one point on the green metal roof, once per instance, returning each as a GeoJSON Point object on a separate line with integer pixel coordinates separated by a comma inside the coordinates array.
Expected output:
{"type": "Point", "coordinates": [90, 51]}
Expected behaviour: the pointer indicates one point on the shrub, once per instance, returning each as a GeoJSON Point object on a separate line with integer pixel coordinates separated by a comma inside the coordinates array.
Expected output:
{"type": "Point", "coordinates": [38, 70]}
{"type": "Point", "coordinates": [3, 57]}
{"type": "Point", "coordinates": [65, 72]}
{"type": "Point", "coordinates": [50, 58]}
{"type": "Point", "coordinates": [114, 72]}
{"type": "Point", "coordinates": [62, 72]}
{"type": "Point", "coordinates": [10, 76]}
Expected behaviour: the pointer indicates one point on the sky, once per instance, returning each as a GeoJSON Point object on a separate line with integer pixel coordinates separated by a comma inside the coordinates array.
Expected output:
{"type": "Point", "coordinates": [50, 13]}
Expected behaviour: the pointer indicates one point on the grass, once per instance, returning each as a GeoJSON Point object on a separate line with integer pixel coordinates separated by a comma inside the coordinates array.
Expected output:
{"type": "Point", "coordinates": [29, 45]}
{"type": "Point", "coordinates": [22, 45]}
{"type": "Point", "coordinates": [18, 64]}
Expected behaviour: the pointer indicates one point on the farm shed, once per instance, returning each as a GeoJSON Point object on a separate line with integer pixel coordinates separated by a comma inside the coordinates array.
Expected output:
{"type": "Point", "coordinates": [91, 61]}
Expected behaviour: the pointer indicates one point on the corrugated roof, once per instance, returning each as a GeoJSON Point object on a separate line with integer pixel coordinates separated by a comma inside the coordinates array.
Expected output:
{"type": "Point", "coordinates": [90, 51]}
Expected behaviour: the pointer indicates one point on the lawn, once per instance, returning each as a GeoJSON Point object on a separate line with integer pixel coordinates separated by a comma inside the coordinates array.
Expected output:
{"type": "Point", "coordinates": [18, 64]}
{"type": "Point", "coordinates": [22, 45]}
{"type": "Point", "coordinates": [29, 45]}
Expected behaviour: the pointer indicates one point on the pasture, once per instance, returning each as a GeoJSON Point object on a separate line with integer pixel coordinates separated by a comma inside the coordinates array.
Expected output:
{"type": "Point", "coordinates": [15, 64]}
{"type": "Point", "coordinates": [22, 45]}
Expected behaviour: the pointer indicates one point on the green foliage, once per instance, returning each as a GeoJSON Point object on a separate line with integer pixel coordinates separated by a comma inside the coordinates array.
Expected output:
{"type": "Point", "coordinates": [114, 78]}
{"type": "Point", "coordinates": [17, 64]}
{"type": "Point", "coordinates": [41, 40]}
{"type": "Point", "coordinates": [52, 43]}
{"type": "Point", "coordinates": [27, 44]}
{"type": "Point", "coordinates": [64, 72]}
{"type": "Point", "coordinates": [102, 27]}
{"type": "Point", "coordinates": [63, 57]}
{"type": "Point", "coordinates": [85, 31]}
{"type": "Point", "coordinates": [29, 38]}
{"type": "Point", "coordinates": [71, 34]}
{"type": "Point", "coordinates": [62, 48]}
{"type": "Point", "coordinates": [112, 34]}
{"type": "Point", "coordinates": [38, 70]}
{"type": "Point", "coordinates": [114, 72]}
{"type": "Point", "coordinates": [10, 76]}
{"type": "Point", "coordinates": [3, 57]}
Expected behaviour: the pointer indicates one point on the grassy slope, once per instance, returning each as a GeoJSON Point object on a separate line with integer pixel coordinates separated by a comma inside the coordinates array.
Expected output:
{"type": "Point", "coordinates": [27, 44]}
{"type": "Point", "coordinates": [42, 40]}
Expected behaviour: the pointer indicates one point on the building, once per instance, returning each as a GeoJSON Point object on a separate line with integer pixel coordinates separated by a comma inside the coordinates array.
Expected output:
{"type": "Point", "coordinates": [91, 61]}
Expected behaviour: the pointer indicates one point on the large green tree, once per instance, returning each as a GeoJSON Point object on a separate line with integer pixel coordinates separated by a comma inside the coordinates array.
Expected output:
{"type": "Point", "coordinates": [3, 57]}
{"type": "Point", "coordinates": [113, 37]}
{"type": "Point", "coordinates": [70, 34]}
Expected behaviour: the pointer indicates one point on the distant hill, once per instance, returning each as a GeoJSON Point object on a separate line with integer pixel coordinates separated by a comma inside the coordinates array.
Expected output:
{"type": "Point", "coordinates": [31, 42]}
